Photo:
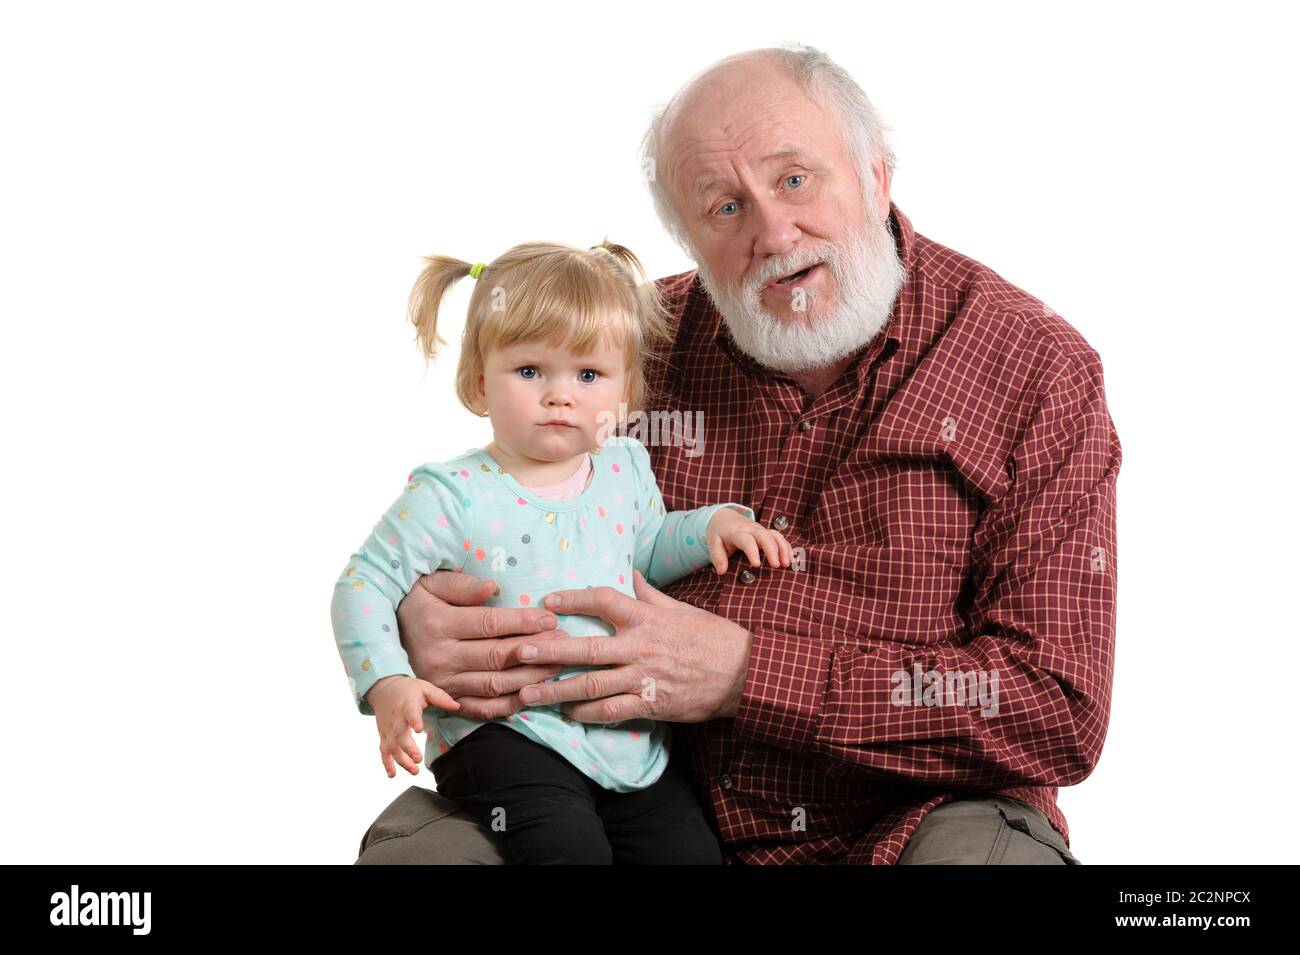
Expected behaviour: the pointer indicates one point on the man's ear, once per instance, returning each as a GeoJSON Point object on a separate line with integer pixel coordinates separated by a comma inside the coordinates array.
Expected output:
{"type": "Point", "coordinates": [882, 187]}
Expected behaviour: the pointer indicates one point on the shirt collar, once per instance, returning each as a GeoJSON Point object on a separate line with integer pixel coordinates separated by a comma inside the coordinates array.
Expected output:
{"type": "Point", "coordinates": [880, 348]}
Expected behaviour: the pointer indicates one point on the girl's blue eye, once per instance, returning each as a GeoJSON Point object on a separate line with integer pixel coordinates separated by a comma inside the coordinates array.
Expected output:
{"type": "Point", "coordinates": [588, 371]}
{"type": "Point", "coordinates": [525, 368]}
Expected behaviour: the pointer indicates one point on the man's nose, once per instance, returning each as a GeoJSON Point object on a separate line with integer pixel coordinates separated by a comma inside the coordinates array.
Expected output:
{"type": "Point", "coordinates": [774, 231]}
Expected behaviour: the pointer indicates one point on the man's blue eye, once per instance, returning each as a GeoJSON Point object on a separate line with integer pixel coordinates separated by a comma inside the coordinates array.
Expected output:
{"type": "Point", "coordinates": [588, 371]}
{"type": "Point", "coordinates": [526, 368]}
{"type": "Point", "coordinates": [725, 204]}
{"type": "Point", "coordinates": [796, 176]}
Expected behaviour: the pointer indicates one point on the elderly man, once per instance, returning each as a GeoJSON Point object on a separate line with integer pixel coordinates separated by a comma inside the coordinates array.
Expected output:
{"type": "Point", "coordinates": [933, 441]}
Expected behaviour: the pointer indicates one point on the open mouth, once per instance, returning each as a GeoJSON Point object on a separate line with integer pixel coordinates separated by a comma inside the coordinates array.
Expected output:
{"type": "Point", "coordinates": [796, 277]}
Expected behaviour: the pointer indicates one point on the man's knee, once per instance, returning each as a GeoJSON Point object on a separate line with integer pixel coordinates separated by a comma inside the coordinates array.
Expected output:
{"type": "Point", "coordinates": [422, 827]}
{"type": "Point", "coordinates": [989, 831]}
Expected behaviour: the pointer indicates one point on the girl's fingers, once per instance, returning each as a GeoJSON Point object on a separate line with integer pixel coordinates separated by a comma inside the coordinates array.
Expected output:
{"type": "Point", "coordinates": [771, 548]}
{"type": "Point", "coordinates": [388, 762]}
{"type": "Point", "coordinates": [437, 696]}
{"type": "Point", "coordinates": [414, 717]}
{"type": "Point", "coordinates": [403, 757]}
{"type": "Point", "coordinates": [718, 553]}
{"type": "Point", "coordinates": [783, 548]}
{"type": "Point", "coordinates": [750, 548]}
{"type": "Point", "coordinates": [413, 748]}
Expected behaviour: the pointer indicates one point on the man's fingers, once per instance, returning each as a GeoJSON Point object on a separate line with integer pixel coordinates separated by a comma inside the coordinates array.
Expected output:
{"type": "Point", "coordinates": [507, 621]}
{"type": "Point", "coordinates": [489, 708]}
{"type": "Point", "coordinates": [478, 623]}
{"type": "Point", "coordinates": [490, 683]}
{"type": "Point", "coordinates": [459, 590]}
{"type": "Point", "coordinates": [584, 651]}
{"type": "Point", "coordinates": [586, 686]}
{"type": "Point", "coordinates": [644, 592]}
{"type": "Point", "coordinates": [604, 602]}
{"type": "Point", "coordinates": [612, 709]}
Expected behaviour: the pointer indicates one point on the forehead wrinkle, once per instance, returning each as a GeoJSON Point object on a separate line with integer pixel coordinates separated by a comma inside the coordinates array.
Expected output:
{"type": "Point", "coordinates": [686, 141]}
{"type": "Point", "coordinates": [787, 145]}
{"type": "Point", "coordinates": [706, 182]}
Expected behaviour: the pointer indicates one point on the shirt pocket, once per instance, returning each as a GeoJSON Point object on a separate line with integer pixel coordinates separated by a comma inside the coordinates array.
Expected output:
{"type": "Point", "coordinates": [1028, 820]}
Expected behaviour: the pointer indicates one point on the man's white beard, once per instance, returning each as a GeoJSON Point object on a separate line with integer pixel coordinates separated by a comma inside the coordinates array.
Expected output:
{"type": "Point", "coordinates": [867, 273]}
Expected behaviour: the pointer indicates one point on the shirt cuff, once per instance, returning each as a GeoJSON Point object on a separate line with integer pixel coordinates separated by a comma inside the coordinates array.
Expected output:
{"type": "Point", "coordinates": [786, 680]}
{"type": "Point", "coordinates": [362, 683]}
{"type": "Point", "coordinates": [705, 514]}
{"type": "Point", "coordinates": [745, 510]}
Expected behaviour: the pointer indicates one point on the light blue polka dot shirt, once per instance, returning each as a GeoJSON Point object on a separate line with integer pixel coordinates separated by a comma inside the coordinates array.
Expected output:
{"type": "Point", "coordinates": [467, 514]}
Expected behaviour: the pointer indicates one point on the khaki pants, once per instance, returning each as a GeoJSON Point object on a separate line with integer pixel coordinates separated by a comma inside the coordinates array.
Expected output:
{"type": "Point", "coordinates": [421, 827]}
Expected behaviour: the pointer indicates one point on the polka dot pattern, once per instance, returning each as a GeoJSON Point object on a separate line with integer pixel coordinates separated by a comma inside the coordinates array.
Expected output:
{"type": "Point", "coordinates": [471, 515]}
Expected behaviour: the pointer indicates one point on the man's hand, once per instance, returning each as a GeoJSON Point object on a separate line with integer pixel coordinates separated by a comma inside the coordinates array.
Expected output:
{"type": "Point", "coordinates": [669, 661]}
{"type": "Point", "coordinates": [455, 644]}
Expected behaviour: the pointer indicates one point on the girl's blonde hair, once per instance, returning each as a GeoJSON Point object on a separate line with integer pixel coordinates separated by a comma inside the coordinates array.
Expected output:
{"type": "Point", "coordinates": [547, 292]}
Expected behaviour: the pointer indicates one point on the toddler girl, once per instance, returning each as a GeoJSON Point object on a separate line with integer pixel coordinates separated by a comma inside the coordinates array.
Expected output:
{"type": "Point", "coordinates": [551, 354]}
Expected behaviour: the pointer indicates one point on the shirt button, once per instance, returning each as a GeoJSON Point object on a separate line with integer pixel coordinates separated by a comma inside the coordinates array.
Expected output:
{"type": "Point", "coordinates": [747, 576]}
{"type": "Point", "coordinates": [805, 425]}
{"type": "Point", "coordinates": [781, 523]}
{"type": "Point", "coordinates": [725, 782]}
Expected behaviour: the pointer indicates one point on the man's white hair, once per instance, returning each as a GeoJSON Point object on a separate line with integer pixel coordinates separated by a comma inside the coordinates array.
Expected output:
{"type": "Point", "coordinates": [823, 81]}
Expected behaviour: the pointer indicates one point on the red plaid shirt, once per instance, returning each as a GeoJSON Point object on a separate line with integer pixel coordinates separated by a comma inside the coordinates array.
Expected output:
{"type": "Point", "coordinates": [953, 494]}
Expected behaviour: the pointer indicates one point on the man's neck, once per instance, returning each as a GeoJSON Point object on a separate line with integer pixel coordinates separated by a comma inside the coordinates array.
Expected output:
{"type": "Point", "coordinates": [816, 380]}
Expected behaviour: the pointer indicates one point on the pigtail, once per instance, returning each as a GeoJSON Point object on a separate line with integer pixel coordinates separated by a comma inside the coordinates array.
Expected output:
{"type": "Point", "coordinates": [654, 316]}
{"type": "Point", "coordinates": [654, 321]}
{"type": "Point", "coordinates": [624, 255]}
{"type": "Point", "coordinates": [426, 298]}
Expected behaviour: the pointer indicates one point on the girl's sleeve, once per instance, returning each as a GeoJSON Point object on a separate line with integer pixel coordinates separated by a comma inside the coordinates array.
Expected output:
{"type": "Point", "coordinates": [668, 545]}
{"type": "Point", "coordinates": [429, 527]}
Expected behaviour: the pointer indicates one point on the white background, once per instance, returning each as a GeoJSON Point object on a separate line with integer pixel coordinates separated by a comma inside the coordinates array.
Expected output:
{"type": "Point", "coordinates": [211, 215]}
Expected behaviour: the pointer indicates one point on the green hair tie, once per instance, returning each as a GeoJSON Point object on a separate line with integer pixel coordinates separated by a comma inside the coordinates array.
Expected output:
{"type": "Point", "coordinates": [476, 269]}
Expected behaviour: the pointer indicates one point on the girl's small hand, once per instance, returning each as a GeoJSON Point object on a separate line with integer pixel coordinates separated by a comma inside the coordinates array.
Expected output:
{"type": "Point", "coordinates": [399, 708]}
{"type": "Point", "coordinates": [730, 530]}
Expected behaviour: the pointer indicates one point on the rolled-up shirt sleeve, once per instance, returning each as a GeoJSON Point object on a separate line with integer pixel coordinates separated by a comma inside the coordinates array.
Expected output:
{"type": "Point", "coordinates": [1033, 667]}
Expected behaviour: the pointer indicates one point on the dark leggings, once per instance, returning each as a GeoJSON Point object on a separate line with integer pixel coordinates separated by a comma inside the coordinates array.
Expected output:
{"type": "Point", "coordinates": [554, 815]}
